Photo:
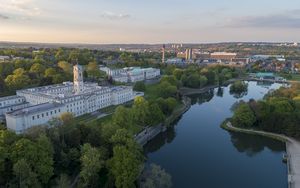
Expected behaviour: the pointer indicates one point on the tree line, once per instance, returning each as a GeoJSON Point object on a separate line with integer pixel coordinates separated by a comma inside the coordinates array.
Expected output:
{"type": "Point", "coordinates": [278, 112]}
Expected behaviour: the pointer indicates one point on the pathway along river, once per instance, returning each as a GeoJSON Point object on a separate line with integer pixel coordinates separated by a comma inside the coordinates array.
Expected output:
{"type": "Point", "coordinates": [196, 152]}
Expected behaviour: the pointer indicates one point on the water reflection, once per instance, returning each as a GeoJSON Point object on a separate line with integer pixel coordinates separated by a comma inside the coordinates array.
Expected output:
{"type": "Point", "coordinates": [220, 92]}
{"type": "Point", "coordinates": [202, 98]}
{"type": "Point", "coordinates": [253, 144]}
{"type": "Point", "coordinates": [161, 139]}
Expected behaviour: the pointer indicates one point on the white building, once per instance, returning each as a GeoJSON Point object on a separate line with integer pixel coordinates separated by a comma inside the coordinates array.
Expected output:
{"type": "Point", "coordinates": [78, 98]}
{"type": "Point", "coordinates": [131, 74]}
{"type": "Point", "coordinates": [11, 103]}
{"type": "Point", "coordinates": [4, 59]}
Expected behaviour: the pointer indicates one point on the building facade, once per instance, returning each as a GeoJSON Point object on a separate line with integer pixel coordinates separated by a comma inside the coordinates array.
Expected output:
{"type": "Point", "coordinates": [78, 98]}
{"type": "Point", "coordinates": [131, 74]}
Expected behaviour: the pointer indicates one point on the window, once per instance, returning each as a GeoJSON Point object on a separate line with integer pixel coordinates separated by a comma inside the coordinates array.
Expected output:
{"type": "Point", "coordinates": [38, 116]}
{"type": "Point", "coordinates": [47, 113]}
{"type": "Point", "coordinates": [58, 110]}
{"type": "Point", "coordinates": [32, 117]}
{"type": "Point", "coordinates": [43, 115]}
{"type": "Point", "coordinates": [51, 112]}
{"type": "Point", "coordinates": [54, 111]}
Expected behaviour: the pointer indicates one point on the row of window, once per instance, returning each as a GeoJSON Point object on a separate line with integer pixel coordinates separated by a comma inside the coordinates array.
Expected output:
{"type": "Point", "coordinates": [46, 114]}
{"type": "Point", "coordinates": [4, 103]}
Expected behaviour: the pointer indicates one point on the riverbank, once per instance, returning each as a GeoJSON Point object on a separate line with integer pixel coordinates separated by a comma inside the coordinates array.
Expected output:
{"type": "Point", "coordinates": [151, 132]}
{"type": "Point", "coordinates": [292, 150]}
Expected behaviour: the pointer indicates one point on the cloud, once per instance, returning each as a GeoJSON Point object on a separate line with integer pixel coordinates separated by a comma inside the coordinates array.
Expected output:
{"type": "Point", "coordinates": [114, 16]}
{"type": "Point", "coordinates": [3, 17]}
{"type": "Point", "coordinates": [287, 19]}
{"type": "Point", "coordinates": [23, 7]}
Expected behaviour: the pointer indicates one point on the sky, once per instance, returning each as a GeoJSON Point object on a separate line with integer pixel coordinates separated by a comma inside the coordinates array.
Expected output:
{"type": "Point", "coordinates": [149, 21]}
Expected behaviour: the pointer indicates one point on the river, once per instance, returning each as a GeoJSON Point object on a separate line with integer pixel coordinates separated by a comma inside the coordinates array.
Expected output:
{"type": "Point", "coordinates": [196, 152]}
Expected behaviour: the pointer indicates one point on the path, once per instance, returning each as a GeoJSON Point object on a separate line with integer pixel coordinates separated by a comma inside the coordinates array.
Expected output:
{"type": "Point", "coordinates": [292, 149]}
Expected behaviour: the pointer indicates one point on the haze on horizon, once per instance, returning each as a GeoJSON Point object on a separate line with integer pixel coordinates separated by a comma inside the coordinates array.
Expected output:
{"type": "Point", "coordinates": [155, 21]}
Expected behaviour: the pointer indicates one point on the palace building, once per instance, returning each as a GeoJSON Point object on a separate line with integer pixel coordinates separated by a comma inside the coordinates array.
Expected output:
{"type": "Point", "coordinates": [37, 106]}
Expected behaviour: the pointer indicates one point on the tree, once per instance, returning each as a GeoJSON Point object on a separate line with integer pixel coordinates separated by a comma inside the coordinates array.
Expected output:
{"type": "Point", "coordinates": [63, 181]}
{"type": "Point", "coordinates": [238, 87]}
{"type": "Point", "coordinates": [193, 81]}
{"type": "Point", "coordinates": [25, 177]}
{"type": "Point", "coordinates": [66, 118]}
{"type": "Point", "coordinates": [140, 111]}
{"type": "Point", "coordinates": [203, 81]}
{"type": "Point", "coordinates": [50, 72]}
{"type": "Point", "coordinates": [166, 90]}
{"type": "Point", "coordinates": [65, 66]}
{"type": "Point", "coordinates": [37, 69]}
{"type": "Point", "coordinates": [125, 166]}
{"type": "Point", "coordinates": [93, 70]}
{"type": "Point", "coordinates": [39, 156]}
{"type": "Point", "coordinates": [91, 164]}
{"type": "Point", "coordinates": [18, 80]}
{"type": "Point", "coordinates": [178, 73]}
{"type": "Point", "coordinates": [123, 117]}
{"type": "Point", "coordinates": [156, 177]}
{"type": "Point", "coordinates": [156, 115]}
{"type": "Point", "coordinates": [139, 86]}
{"type": "Point", "coordinates": [243, 116]}
{"type": "Point", "coordinates": [58, 78]}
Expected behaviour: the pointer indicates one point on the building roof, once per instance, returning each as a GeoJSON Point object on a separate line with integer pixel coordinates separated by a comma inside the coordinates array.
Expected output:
{"type": "Point", "coordinates": [34, 109]}
{"type": "Point", "coordinates": [264, 74]}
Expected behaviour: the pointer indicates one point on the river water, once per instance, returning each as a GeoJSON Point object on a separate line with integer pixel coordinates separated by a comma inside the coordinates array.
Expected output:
{"type": "Point", "coordinates": [196, 152]}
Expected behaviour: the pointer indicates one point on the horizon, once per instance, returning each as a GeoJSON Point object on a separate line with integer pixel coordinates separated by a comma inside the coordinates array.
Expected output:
{"type": "Point", "coordinates": [136, 22]}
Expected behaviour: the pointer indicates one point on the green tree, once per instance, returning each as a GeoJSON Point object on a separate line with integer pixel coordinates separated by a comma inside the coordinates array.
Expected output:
{"type": "Point", "coordinates": [65, 66]}
{"type": "Point", "coordinates": [25, 177]}
{"type": "Point", "coordinates": [203, 81]}
{"type": "Point", "coordinates": [91, 164]}
{"type": "Point", "coordinates": [38, 69]}
{"type": "Point", "coordinates": [140, 111]}
{"type": "Point", "coordinates": [123, 117]}
{"type": "Point", "coordinates": [156, 115]}
{"type": "Point", "coordinates": [125, 166]}
{"type": "Point", "coordinates": [93, 70]}
{"type": "Point", "coordinates": [243, 116]}
{"type": "Point", "coordinates": [50, 72]}
{"type": "Point", "coordinates": [18, 80]}
{"type": "Point", "coordinates": [156, 177]}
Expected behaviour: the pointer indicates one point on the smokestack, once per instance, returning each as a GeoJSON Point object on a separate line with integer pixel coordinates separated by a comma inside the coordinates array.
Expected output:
{"type": "Point", "coordinates": [163, 53]}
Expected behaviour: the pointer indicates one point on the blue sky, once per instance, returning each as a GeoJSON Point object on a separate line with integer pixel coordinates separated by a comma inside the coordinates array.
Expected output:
{"type": "Point", "coordinates": [149, 21]}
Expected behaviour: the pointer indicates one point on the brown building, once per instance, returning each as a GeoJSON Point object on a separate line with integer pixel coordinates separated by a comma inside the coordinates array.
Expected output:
{"type": "Point", "coordinates": [223, 56]}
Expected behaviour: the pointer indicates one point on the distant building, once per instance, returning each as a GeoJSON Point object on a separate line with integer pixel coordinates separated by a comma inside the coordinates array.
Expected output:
{"type": "Point", "coordinates": [223, 56]}
{"type": "Point", "coordinates": [265, 57]}
{"type": "Point", "coordinates": [189, 54]}
{"type": "Point", "coordinates": [241, 61]}
{"type": "Point", "coordinates": [131, 74]}
{"type": "Point", "coordinates": [4, 59]}
{"type": "Point", "coordinates": [175, 61]}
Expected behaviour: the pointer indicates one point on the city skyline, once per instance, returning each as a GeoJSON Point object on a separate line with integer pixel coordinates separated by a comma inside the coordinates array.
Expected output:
{"type": "Point", "coordinates": [133, 21]}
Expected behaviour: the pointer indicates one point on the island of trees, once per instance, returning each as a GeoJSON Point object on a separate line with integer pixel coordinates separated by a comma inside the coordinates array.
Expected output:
{"type": "Point", "coordinates": [278, 112]}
